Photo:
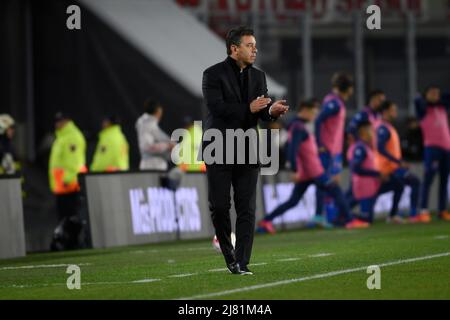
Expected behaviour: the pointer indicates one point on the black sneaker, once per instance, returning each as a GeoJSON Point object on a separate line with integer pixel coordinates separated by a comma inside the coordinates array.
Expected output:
{"type": "Point", "coordinates": [234, 268]}
{"type": "Point", "coordinates": [246, 271]}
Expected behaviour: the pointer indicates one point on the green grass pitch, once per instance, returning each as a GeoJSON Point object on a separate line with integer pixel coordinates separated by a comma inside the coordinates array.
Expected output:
{"type": "Point", "coordinates": [304, 264]}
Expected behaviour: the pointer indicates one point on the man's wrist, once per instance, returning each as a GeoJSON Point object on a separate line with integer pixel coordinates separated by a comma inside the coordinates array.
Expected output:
{"type": "Point", "coordinates": [273, 118]}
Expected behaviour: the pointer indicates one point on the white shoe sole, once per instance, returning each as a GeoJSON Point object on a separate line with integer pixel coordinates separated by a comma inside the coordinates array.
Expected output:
{"type": "Point", "coordinates": [246, 273]}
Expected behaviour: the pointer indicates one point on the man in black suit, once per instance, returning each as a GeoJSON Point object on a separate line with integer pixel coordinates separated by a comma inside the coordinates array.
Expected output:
{"type": "Point", "coordinates": [235, 93]}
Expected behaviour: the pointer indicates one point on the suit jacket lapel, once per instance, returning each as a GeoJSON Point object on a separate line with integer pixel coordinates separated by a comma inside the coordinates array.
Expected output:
{"type": "Point", "coordinates": [233, 80]}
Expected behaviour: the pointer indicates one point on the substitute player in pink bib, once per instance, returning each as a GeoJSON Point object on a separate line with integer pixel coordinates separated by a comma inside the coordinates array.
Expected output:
{"type": "Point", "coordinates": [369, 113]}
{"type": "Point", "coordinates": [304, 159]}
{"type": "Point", "coordinates": [329, 131]}
{"type": "Point", "coordinates": [367, 181]}
{"type": "Point", "coordinates": [432, 111]}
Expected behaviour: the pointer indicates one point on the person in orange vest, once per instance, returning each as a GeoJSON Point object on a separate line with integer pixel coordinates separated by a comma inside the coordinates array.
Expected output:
{"type": "Point", "coordinates": [368, 183]}
{"type": "Point", "coordinates": [67, 160]}
{"type": "Point", "coordinates": [389, 159]}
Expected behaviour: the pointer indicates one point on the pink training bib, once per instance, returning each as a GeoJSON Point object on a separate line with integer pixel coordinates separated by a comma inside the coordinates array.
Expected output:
{"type": "Point", "coordinates": [364, 187]}
{"type": "Point", "coordinates": [307, 159]}
{"type": "Point", "coordinates": [332, 129]}
{"type": "Point", "coordinates": [435, 128]}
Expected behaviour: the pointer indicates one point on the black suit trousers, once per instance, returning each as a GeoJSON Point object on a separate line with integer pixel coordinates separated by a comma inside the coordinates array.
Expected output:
{"type": "Point", "coordinates": [243, 178]}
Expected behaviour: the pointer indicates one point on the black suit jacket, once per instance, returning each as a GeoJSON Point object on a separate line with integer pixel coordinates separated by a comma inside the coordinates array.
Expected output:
{"type": "Point", "coordinates": [226, 108]}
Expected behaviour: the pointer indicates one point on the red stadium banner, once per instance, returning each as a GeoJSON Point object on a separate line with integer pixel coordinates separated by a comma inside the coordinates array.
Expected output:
{"type": "Point", "coordinates": [220, 14]}
{"type": "Point", "coordinates": [322, 9]}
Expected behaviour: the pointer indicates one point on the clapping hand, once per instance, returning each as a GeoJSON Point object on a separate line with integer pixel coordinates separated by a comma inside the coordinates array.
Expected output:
{"type": "Point", "coordinates": [279, 108]}
{"type": "Point", "coordinates": [259, 103]}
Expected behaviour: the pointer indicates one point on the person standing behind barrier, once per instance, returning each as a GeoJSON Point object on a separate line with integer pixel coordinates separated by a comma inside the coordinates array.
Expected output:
{"type": "Point", "coordinates": [190, 147]}
{"type": "Point", "coordinates": [67, 160]}
{"type": "Point", "coordinates": [8, 164]}
{"type": "Point", "coordinates": [112, 152]}
{"type": "Point", "coordinates": [154, 143]}
{"type": "Point", "coordinates": [432, 111]}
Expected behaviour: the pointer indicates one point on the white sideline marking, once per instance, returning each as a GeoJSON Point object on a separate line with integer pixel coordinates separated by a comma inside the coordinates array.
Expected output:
{"type": "Point", "coordinates": [145, 251]}
{"type": "Point", "coordinates": [146, 280]}
{"type": "Point", "coordinates": [182, 275]}
{"type": "Point", "coordinates": [257, 264]}
{"type": "Point", "coordinates": [288, 259]}
{"type": "Point", "coordinates": [442, 237]}
{"type": "Point", "coordinates": [43, 266]}
{"type": "Point", "coordinates": [171, 250]}
{"type": "Point", "coordinates": [194, 249]}
{"type": "Point", "coordinates": [218, 270]}
{"type": "Point", "coordinates": [112, 282]}
{"type": "Point", "coordinates": [319, 255]}
{"type": "Point", "coordinates": [317, 276]}
{"type": "Point", "coordinates": [21, 286]}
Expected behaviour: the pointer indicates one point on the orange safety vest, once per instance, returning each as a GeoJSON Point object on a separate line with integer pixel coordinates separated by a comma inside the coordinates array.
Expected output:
{"type": "Point", "coordinates": [385, 165]}
{"type": "Point", "coordinates": [63, 188]}
{"type": "Point", "coordinates": [201, 167]}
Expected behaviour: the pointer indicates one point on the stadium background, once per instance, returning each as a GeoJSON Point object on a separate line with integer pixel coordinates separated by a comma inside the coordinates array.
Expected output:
{"type": "Point", "coordinates": [104, 68]}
